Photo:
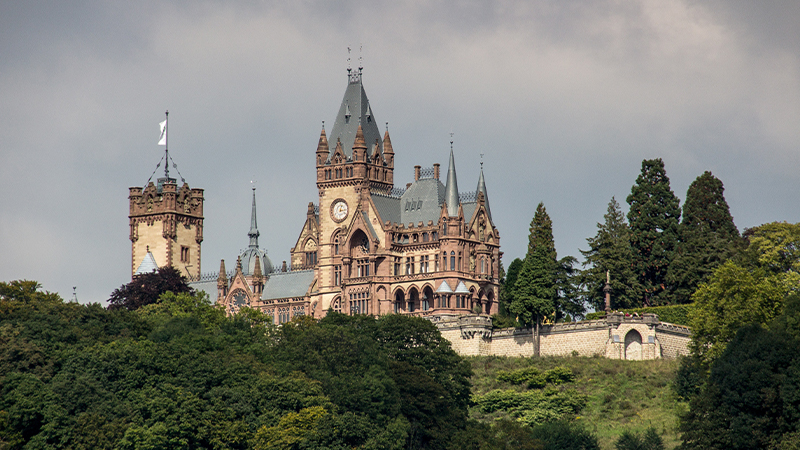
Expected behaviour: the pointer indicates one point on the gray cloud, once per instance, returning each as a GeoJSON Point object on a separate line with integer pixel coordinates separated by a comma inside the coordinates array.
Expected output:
{"type": "Point", "coordinates": [565, 99]}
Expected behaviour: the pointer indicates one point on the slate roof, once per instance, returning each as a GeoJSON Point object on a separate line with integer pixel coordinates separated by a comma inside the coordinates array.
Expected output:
{"type": "Point", "coordinates": [355, 110]}
{"type": "Point", "coordinates": [388, 207]}
{"type": "Point", "coordinates": [422, 202]}
{"type": "Point", "coordinates": [208, 286]}
{"type": "Point", "coordinates": [287, 284]}
{"type": "Point", "coordinates": [148, 264]}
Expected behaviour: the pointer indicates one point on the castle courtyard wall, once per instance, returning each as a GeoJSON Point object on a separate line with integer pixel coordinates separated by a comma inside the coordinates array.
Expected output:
{"type": "Point", "coordinates": [616, 337]}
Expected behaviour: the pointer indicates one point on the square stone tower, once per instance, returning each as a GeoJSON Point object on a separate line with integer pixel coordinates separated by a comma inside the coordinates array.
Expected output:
{"type": "Point", "coordinates": [167, 222]}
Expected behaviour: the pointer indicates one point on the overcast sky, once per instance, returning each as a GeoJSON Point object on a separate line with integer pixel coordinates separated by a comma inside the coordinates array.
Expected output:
{"type": "Point", "coordinates": [564, 99]}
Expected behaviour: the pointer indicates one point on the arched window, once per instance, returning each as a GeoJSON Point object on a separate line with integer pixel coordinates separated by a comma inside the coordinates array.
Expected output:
{"type": "Point", "coordinates": [452, 260]}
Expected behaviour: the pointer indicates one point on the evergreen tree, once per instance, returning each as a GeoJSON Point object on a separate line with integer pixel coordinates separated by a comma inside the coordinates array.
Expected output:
{"type": "Point", "coordinates": [534, 290]}
{"type": "Point", "coordinates": [653, 218]}
{"type": "Point", "coordinates": [610, 252]}
{"type": "Point", "coordinates": [708, 236]}
{"type": "Point", "coordinates": [569, 297]}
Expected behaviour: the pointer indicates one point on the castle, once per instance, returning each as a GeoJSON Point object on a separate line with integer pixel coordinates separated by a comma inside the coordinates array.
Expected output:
{"type": "Point", "coordinates": [368, 247]}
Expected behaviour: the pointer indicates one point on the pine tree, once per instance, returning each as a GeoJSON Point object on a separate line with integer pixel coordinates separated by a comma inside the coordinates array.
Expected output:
{"type": "Point", "coordinates": [708, 236]}
{"type": "Point", "coordinates": [534, 290]}
{"type": "Point", "coordinates": [653, 219]}
{"type": "Point", "coordinates": [610, 252]}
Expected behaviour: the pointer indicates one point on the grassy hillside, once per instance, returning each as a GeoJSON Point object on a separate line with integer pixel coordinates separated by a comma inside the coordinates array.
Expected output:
{"type": "Point", "coordinates": [620, 395]}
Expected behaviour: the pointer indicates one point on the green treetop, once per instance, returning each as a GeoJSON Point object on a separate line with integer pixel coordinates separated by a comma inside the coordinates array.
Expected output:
{"type": "Point", "coordinates": [610, 253]}
{"type": "Point", "coordinates": [707, 236]}
{"type": "Point", "coordinates": [535, 290]}
{"type": "Point", "coordinates": [653, 218]}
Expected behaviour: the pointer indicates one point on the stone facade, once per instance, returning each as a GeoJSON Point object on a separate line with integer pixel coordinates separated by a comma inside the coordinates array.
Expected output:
{"type": "Point", "coordinates": [617, 337]}
{"type": "Point", "coordinates": [167, 221]}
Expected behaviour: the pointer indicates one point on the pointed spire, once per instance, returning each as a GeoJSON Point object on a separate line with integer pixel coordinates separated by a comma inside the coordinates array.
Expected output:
{"type": "Point", "coordinates": [482, 189]}
{"type": "Point", "coordinates": [451, 188]}
{"type": "Point", "coordinates": [387, 143]}
{"type": "Point", "coordinates": [322, 147]}
{"type": "Point", "coordinates": [253, 233]}
{"type": "Point", "coordinates": [257, 270]}
{"type": "Point", "coordinates": [239, 264]}
{"type": "Point", "coordinates": [223, 277]}
{"type": "Point", "coordinates": [360, 143]}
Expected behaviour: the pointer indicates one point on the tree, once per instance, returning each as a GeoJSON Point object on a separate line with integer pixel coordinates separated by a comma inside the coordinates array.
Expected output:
{"type": "Point", "coordinates": [653, 218]}
{"type": "Point", "coordinates": [610, 253]}
{"type": "Point", "coordinates": [535, 290]}
{"type": "Point", "coordinates": [750, 288]}
{"type": "Point", "coordinates": [751, 399]}
{"type": "Point", "coordinates": [569, 297]}
{"type": "Point", "coordinates": [707, 236]}
{"type": "Point", "coordinates": [648, 440]}
{"type": "Point", "coordinates": [146, 288]}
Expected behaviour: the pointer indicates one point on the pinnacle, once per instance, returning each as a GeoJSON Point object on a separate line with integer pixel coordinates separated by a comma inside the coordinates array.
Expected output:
{"type": "Point", "coordinates": [322, 147]}
{"type": "Point", "coordinates": [359, 143]}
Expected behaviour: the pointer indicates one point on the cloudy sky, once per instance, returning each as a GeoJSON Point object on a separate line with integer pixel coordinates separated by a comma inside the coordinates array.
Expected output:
{"type": "Point", "coordinates": [564, 99]}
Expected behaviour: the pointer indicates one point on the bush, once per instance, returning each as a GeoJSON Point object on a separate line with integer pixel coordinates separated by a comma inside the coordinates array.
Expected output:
{"type": "Point", "coordinates": [649, 440]}
{"type": "Point", "coordinates": [534, 407]}
{"type": "Point", "coordinates": [535, 379]}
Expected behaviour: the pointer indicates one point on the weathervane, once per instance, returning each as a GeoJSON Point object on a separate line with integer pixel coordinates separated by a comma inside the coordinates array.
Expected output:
{"type": "Point", "coordinates": [481, 161]}
{"type": "Point", "coordinates": [451, 140]}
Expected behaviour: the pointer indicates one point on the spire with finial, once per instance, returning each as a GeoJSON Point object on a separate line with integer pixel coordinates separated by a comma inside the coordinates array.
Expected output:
{"type": "Point", "coordinates": [253, 233]}
{"type": "Point", "coordinates": [322, 147]}
{"type": "Point", "coordinates": [359, 142]}
{"type": "Point", "coordinates": [451, 188]}
{"type": "Point", "coordinates": [482, 189]}
{"type": "Point", "coordinates": [239, 264]}
{"type": "Point", "coordinates": [222, 279]}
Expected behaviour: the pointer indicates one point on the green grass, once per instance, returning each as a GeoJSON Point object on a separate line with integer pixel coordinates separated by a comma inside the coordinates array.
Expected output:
{"type": "Point", "coordinates": [622, 395]}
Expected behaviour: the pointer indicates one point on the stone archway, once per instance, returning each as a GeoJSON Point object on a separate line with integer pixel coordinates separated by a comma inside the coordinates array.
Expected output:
{"type": "Point", "coordinates": [633, 345]}
{"type": "Point", "coordinates": [413, 300]}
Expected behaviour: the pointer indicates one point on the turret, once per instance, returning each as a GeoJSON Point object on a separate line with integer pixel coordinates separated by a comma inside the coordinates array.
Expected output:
{"type": "Point", "coordinates": [482, 190]}
{"type": "Point", "coordinates": [451, 188]}
{"type": "Point", "coordinates": [322, 148]}
{"type": "Point", "coordinates": [222, 281]}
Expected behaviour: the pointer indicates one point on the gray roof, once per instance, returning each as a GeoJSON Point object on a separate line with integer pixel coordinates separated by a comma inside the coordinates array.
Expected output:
{"type": "Point", "coordinates": [388, 207]}
{"type": "Point", "coordinates": [444, 288]}
{"type": "Point", "coordinates": [461, 288]}
{"type": "Point", "coordinates": [353, 111]}
{"type": "Point", "coordinates": [451, 190]}
{"type": "Point", "coordinates": [422, 201]}
{"type": "Point", "coordinates": [208, 286]}
{"type": "Point", "coordinates": [249, 261]}
{"type": "Point", "coordinates": [469, 210]}
{"type": "Point", "coordinates": [374, 235]}
{"type": "Point", "coordinates": [287, 284]}
{"type": "Point", "coordinates": [148, 264]}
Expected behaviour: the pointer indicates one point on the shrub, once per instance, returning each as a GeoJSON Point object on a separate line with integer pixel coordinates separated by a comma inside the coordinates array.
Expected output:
{"type": "Point", "coordinates": [677, 314]}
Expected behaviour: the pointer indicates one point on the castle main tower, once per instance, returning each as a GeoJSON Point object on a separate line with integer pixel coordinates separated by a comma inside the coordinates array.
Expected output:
{"type": "Point", "coordinates": [166, 226]}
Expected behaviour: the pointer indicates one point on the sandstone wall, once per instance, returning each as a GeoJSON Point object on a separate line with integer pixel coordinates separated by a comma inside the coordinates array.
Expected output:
{"type": "Point", "coordinates": [618, 337]}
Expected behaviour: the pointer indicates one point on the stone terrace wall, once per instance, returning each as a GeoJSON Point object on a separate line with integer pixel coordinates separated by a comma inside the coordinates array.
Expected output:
{"type": "Point", "coordinates": [616, 337]}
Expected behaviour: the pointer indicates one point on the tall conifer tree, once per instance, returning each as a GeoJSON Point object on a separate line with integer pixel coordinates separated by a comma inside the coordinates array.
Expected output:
{"type": "Point", "coordinates": [708, 236]}
{"type": "Point", "coordinates": [610, 252]}
{"type": "Point", "coordinates": [534, 289]}
{"type": "Point", "coordinates": [653, 218]}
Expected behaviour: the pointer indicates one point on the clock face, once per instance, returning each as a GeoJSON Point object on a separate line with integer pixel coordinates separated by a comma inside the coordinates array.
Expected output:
{"type": "Point", "coordinates": [339, 210]}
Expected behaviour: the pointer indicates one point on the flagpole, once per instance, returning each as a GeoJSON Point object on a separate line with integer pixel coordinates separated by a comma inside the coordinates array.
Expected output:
{"type": "Point", "coordinates": [166, 144]}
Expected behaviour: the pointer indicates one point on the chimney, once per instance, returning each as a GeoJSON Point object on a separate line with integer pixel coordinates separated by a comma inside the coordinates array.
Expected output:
{"type": "Point", "coordinates": [436, 171]}
{"type": "Point", "coordinates": [416, 172]}
{"type": "Point", "coordinates": [283, 267]}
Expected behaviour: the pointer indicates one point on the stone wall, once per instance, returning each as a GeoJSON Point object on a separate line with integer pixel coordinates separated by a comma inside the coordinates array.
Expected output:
{"type": "Point", "coordinates": [616, 337]}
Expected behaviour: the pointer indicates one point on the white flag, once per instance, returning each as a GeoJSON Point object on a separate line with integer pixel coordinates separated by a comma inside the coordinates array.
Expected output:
{"type": "Point", "coordinates": [163, 139]}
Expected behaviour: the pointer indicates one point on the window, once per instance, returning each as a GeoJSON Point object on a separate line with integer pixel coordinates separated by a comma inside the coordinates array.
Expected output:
{"type": "Point", "coordinates": [336, 245]}
{"type": "Point", "coordinates": [337, 275]}
{"type": "Point", "coordinates": [397, 269]}
{"type": "Point", "coordinates": [410, 265]}
{"type": "Point", "coordinates": [363, 267]}
{"type": "Point", "coordinates": [359, 303]}
{"type": "Point", "coordinates": [311, 258]}
{"type": "Point", "coordinates": [424, 237]}
{"type": "Point", "coordinates": [184, 254]}
{"type": "Point", "coordinates": [337, 305]}
{"type": "Point", "coordinates": [459, 261]}
{"type": "Point", "coordinates": [444, 229]}
{"type": "Point", "coordinates": [452, 260]}
{"type": "Point", "coordinates": [434, 236]}
{"type": "Point", "coordinates": [423, 265]}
